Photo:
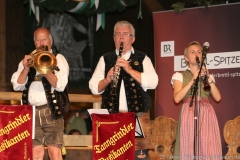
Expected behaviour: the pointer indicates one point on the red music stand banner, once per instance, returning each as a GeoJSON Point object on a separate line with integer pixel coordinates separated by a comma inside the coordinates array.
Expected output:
{"type": "Point", "coordinates": [113, 136]}
{"type": "Point", "coordinates": [15, 132]}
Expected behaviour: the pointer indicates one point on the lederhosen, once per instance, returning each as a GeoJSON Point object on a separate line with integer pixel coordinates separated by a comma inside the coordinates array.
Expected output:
{"type": "Point", "coordinates": [137, 99]}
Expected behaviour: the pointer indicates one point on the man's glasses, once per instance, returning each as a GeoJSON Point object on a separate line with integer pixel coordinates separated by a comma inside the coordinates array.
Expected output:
{"type": "Point", "coordinates": [124, 34]}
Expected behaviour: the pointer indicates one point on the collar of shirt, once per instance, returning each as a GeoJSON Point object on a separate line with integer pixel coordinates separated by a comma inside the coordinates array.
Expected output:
{"type": "Point", "coordinates": [127, 54]}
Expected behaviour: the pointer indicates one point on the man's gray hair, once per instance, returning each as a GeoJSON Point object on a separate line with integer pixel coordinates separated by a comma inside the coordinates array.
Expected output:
{"type": "Point", "coordinates": [124, 23]}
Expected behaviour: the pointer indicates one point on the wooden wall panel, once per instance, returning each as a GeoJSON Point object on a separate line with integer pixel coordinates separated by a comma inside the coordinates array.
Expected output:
{"type": "Point", "coordinates": [2, 43]}
{"type": "Point", "coordinates": [14, 39]}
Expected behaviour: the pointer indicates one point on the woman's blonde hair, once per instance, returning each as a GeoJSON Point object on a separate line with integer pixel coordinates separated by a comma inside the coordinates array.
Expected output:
{"type": "Point", "coordinates": [190, 44]}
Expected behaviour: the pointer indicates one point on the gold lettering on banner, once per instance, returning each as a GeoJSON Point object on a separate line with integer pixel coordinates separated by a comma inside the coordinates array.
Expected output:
{"type": "Point", "coordinates": [25, 156]}
{"type": "Point", "coordinates": [11, 141]}
{"type": "Point", "coordinates": [98, 124]}
{"type": "Point", "coordinates": [12, 125]}
{"type": "Point", "coordinates": [123, 131]}
{"type": "Point", "coordinates": [25, 151]}
{"type": "Point", "coordinates": [116, 153]}
{"type": "Point", "coordinates": [7, 143]}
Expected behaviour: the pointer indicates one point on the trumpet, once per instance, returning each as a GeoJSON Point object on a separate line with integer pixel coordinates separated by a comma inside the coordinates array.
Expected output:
{"type": "Point", "coordinates": [43, 61]}
{"type": "Point", "coordinates": [206, 86]}
{"type": "Point", "coordinates": [116, 77]}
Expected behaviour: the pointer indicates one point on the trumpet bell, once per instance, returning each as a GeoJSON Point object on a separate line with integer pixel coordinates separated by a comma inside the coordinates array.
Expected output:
{"type": "Point", "coordinates": [34, 53]}
{"type": "Point", "coordinates": [44, 62]}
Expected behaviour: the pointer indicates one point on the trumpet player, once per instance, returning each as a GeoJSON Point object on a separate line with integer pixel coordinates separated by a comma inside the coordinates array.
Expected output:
{"type": "Point", "coordinates": [48, 131]}
{"type": "Point", "coordinates": [208, 139]}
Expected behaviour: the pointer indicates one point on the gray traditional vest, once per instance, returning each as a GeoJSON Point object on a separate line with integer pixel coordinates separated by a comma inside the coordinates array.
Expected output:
{"type": "Point", "coordinates": [137, 99]}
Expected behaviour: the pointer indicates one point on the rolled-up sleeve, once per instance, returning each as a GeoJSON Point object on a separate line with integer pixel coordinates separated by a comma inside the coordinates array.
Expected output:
{"type": "Point", "coordinates": [149, 76]}
{"type": "Point", "coordinates": [62, 74]}
{"type": "Point", "coordinates": [177, 76]}
{"type": "Point", "coordinates": [97, 76]}
{"type": "Point", "coordinates": [14, 78]}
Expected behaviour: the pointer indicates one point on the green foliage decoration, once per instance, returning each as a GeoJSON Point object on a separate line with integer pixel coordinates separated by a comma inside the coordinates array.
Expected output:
{"type": "Point", "coordinates": [179, 6]}
{"type": "Point", "coordinates": [66, 5]}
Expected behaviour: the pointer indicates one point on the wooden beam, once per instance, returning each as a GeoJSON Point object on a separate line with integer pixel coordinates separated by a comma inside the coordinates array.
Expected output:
{"type": "Point", "coordinates": [72, 97]}
{"type": "Point", "coordinates": [96, 100]}
{"type": "Point", "coordinates": [78, 140]}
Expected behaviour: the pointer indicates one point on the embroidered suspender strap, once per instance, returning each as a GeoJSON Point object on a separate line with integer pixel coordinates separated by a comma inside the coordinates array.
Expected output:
{"type": "Point", "coordinates": [57, 101]}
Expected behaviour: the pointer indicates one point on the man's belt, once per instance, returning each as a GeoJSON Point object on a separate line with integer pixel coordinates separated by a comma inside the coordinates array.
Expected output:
{"type": "Point", "coordinates": [45, 106]}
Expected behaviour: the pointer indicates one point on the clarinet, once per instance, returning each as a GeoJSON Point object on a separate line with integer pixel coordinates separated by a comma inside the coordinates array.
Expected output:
{"type": "Point", "coordinates": [206, 86]}
{"type": "Point", "coordinates": [114, 84]}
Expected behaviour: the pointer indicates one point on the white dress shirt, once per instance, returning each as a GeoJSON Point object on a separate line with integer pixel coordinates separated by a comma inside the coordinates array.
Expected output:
{"type": "Point", "coordinates": [149, 78]}
{"type": "Point", "coordinates": [36, 95]}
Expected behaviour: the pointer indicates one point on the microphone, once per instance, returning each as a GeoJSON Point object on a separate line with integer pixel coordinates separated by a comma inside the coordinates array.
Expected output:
{"type": "Point", "coordinates": [206, 87]}
{"type": "Point", "coordinates": [205, 48]}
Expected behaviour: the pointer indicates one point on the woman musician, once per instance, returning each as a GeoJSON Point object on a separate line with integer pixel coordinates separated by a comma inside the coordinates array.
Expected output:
{"type": "Point", "coordinates": [208, 135]}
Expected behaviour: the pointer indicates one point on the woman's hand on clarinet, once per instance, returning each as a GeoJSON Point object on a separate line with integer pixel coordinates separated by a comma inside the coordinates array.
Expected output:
{"type": "Point", "coordinates": [205, 70]}
{"type": "Point", "coordinates": [195, 75]}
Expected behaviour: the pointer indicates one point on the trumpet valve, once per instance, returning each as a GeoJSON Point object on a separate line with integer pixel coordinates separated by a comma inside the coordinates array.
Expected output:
{"type": "Point", "coordinates": [30, 62]}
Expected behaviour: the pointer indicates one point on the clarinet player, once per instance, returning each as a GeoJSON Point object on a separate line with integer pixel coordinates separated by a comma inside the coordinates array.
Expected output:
{"type": "Point", "coordinates": [135, 71]}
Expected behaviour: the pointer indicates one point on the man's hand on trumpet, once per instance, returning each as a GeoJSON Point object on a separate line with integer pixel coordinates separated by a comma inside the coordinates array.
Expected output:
{"type": "Point", "coordinates": [25, 61]}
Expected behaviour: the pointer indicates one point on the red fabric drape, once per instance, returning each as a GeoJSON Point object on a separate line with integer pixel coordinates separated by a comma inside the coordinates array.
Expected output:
{"type": "Point", "coordinates": [113, 136]}
{"type": "Point", "coordinates": [15, 132]}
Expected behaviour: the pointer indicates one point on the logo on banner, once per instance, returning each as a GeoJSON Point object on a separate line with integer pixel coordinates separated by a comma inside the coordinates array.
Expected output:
{"type": "Point", "coordinates": [213, 61]}
{"type": "Point", "coordinates": [167, 49]}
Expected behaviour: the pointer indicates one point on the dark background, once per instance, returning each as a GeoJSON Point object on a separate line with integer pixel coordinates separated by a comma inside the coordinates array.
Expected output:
{"type": "Point", "coordinates": [20, 25]}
